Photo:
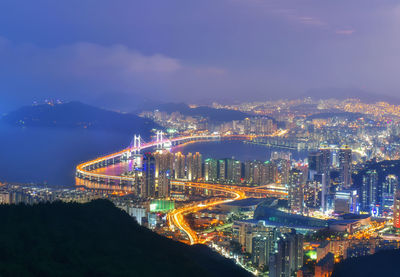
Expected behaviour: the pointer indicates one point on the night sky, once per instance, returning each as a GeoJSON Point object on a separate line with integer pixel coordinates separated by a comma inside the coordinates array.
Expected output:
{"type": "Point", "coordinates": [117, 53]}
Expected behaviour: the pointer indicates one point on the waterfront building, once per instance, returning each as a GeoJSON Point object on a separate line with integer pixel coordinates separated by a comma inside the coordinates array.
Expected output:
{"type": "Point", "coordinates": [210, 170]}
{"type": "Point", "coordinates": [148, 185]}
{"type": "Point", "coordinates": [197, 166]}
{"type": "Point", "coordinates": [222, 170]}
{"type": "Point", "coordinates": [248, 172]}
{"type": "Point", "coordinates": [233, 170]}
{"type": "Point", "coordinates": [179, 166]}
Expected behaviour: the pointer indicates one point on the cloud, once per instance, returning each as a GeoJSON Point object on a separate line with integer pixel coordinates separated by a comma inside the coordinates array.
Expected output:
{"type": "Point", "coordinates": [92, 71]}
{"type": "Point", "coordinates": [345, 32]}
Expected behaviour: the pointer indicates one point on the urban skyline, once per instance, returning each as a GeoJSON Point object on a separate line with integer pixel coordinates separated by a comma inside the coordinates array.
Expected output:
{"type": "Point", "coordinates": [200, 138]}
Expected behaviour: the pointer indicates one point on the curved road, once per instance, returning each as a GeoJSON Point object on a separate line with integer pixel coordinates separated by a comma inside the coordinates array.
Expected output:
{"type": "Point", "coordinates": [176, 217]}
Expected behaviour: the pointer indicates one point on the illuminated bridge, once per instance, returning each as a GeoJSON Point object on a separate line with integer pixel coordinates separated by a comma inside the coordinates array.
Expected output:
{"type": "Point", "coordinates": [88, 172]}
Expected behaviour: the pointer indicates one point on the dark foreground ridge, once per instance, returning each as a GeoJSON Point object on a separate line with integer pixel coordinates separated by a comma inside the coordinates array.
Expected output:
{"type": "Point", "coordinates": [95, 239]}
{"type": "Point", "coordinates": [384, 263]}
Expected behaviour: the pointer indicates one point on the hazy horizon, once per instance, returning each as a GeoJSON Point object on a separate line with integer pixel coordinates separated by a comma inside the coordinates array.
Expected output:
{"type": "Point", "coordinates": [122, 53]}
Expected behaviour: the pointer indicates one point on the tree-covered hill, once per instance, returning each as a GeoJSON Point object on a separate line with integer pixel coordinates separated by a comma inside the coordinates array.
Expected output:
{"type": "Point", "coordinates": [95, 239]}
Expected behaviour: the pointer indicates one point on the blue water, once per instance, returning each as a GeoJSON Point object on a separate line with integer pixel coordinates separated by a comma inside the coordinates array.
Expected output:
{"type": "Point", "coordinates": [236, 149]}
{"type": "Point", "coordinates": [41, 155]}
{"type": "Point", "coordinates": [49, 156]}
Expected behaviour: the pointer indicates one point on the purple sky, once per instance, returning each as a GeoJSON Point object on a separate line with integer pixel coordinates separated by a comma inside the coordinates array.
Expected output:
{"type": "Point", "coordinates": [113, 52]}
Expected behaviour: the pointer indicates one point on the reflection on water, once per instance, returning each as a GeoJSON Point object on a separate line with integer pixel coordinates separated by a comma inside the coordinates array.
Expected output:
{"type": "Point", "coordinates": [217, 150]}
{"type": "Point", "coordinates": [43, 155]}
{"type": "Point", "coordinates": [236, 149]}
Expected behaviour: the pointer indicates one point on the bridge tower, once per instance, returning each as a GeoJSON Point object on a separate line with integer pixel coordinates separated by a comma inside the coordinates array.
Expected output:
{"type": "Point", "coordinates": [160, 142]}
{"type": "Point", "coordinates": [135, 150]}
{"type": "Point", "coordinates": [137, 144]}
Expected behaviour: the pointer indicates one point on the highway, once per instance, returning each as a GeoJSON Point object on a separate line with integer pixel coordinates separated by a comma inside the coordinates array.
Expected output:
{"type": "Point", "coordinates": [176, 217]}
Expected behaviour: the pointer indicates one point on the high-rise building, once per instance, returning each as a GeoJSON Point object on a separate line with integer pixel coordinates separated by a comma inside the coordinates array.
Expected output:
{"type": "Point", "coordinates": [288, 258]}
{"type": "Point", "coordinates": [346, 201]}
{"type": "Point", "coordinates": [163, 184]}
{"type": "Point", "coordinates": [197, 166]}
{"type": "Point", "coordinates": [247, 126]}
{"type": "Point", "coordinates": [269, 173]}
{"type": "Point", "coordinates": [388, 190]}
{"type": "Point", "coordinates": [296, 191]}
{"type": "Point", "coordinates": [248, 172]}
{"type": "Point", "coordinates": [148, 186]}
{"type": "Point", "coordinates": [396, 210]}
{"type": "Point", "coordinates": [284, 167]}
{"type": "Point", "coordinates": [369, 191]}
{"type": "Point", "coordinates": [263, 244]}
{"type": "Point", "coordinates": [233, 170]}
{"type": "Point", "coordinates": [189, 166]}
{"type": "Point", "coordinates": [345, 166]}
{"type": "Point", "coordinates": [396, 207]}
{"type": "Point", "coordinates": [315, 162]}
{"type": "Point", "coordinates": [222, 170]}
{"type": "Point", "coordinates": [179, 166]}
{"type": "Point", "coordinates": [210, 170]}
{"type": "Point", "coordinates": [164, 162]}
{"type": "Point", "coordinates": [257, 172]}
{"type": "Point", "coordinates": [264, 126]}
{"type": "Point", "coordinates": [325, 161]}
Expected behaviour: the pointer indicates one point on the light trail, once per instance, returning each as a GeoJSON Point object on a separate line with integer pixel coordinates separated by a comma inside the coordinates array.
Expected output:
{"type": "Point", "coordinates": [176, 217]}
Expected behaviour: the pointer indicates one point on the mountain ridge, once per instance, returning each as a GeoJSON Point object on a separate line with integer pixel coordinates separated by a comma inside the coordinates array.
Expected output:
{"type": "Point", "coordinates": [78, 115]}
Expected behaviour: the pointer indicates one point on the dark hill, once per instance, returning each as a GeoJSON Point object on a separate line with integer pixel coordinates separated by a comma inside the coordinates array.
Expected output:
{"type": "Point", "coordinates": [95, 239]}
{"type": "Point", "coordinates": [384, 263]}
{"type": "Point", "coordinates": [78, 115]}
{"type": "Point", "coordinates": [215, 115]}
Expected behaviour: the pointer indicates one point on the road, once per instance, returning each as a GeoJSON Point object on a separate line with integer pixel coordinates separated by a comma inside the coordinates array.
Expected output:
{"type": "Point", "coordinates": [177, 217]}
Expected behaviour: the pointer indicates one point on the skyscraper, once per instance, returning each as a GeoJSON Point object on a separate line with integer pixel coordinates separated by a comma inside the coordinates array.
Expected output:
{"type": "Point", "coordinates": [197, 166]}
{"type": "Point", "coordinates": [164, 162]}
{"type": "Point", "coordinates": [189, 166]}
{"type": "Point", "coordinates": [210, 170]}
{"type": "Point", "coordinates": [345, 162]}
{"type": "Point", "coordinates": [233, 170]}
{"type": "Point", "coordinates": [179, 166]}
{"type": "Point", "coordinates": [396, 209]}
{"type": "Point", "coordinates": [295, 191]}
{"type": "Point", "coordinates": [222, 170]}
{"type": "Point", "coordinates": [369, 191]}
{"type": "Point", "coordinates": [288, 257]}
{"type": "Point", "coordinates": [149, 169]}
{"type": "Point", "coordinates": [388, 190]}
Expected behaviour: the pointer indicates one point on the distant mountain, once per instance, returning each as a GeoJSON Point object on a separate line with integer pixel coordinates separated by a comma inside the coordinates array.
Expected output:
{"type": "Point", "coordinates": [96, 239]}
{"type": "Point", "coordinates": [328, 115]}
{"type": "Point", "coordinates": [384, 263]}
{"type": "Point", "coordinates": [78, 115]}
{"type": "Point", "coordinates": [345, 93]}
{"type": "Point", "coordinates": [215, 115]}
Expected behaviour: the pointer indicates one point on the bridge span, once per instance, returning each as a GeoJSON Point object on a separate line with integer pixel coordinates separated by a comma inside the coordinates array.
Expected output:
{"type": "Point", "coordinates": [87, 171]}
